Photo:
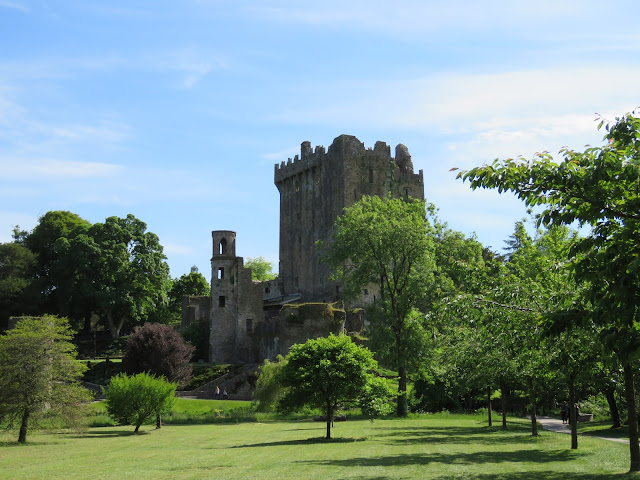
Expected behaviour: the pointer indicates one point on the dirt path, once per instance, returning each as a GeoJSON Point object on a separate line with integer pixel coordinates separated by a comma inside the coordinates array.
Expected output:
{"type": "Point", "coordinates": [555, 425]}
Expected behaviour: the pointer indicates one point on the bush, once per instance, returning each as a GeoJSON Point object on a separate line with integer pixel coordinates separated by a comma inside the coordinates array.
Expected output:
{"type": "Point", "coordinates": [131, 400]}
{"type": "Point", "coordinates": [160, 350]}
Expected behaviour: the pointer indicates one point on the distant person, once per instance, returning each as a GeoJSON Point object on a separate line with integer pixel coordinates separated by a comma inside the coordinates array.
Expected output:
{"type": "Point", "coordinates": [577, 412]}
{"type": "Point", "coordinates": [564, 411]}
{"type": "Point", "coordinates": [224, 394]}
{"type": "Point", "coordinates": [218, 392]}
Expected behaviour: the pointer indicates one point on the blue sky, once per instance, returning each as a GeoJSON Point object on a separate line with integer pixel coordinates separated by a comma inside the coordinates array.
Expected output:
{"type": "Point", "coordinates": [176, 112]}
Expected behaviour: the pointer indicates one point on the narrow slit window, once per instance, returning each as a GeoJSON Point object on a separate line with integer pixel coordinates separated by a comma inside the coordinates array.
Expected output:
{"type": "Point", "coordinates": [220, 273]}
{"type": "Point", "coordinates": [221, 301]}
{"type": "Point", "coordinates": [371, 175]}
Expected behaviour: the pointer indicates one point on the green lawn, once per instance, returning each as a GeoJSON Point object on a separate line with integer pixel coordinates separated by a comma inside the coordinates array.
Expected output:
{"type": "Point", "coordinates": [427, 447]}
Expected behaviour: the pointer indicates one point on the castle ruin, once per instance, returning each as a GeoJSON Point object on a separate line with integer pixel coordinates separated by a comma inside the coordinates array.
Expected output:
{"type": "Point", "coordinates": [250, 321]}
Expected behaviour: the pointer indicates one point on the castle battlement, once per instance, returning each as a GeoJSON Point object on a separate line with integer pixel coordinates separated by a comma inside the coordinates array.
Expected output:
{"type": "Point", "coordinates": [345, 145]}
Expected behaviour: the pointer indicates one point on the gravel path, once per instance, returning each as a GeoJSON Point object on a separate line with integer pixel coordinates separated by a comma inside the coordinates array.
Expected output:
{"type": "Point", "coordinates": [555, 425]}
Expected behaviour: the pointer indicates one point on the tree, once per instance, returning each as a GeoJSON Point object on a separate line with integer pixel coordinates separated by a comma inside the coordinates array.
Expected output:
{"type": "Point", "coordinates": [269, 391]}
{"type": "Point", "coordinates": [119, 267]}
{"type": "Point", "coordinates": [324, 373]}
{"type": "Point", "coordinates": [38, 371]}
{"type": "Point", "coordinates": [52, 226]}
{"type": "Point", "coordinates": [387, 242]}
{"type": "Point", "coordinates": [161, 351]}
{"type": "Point", "coordinates": [261, 269]}
{"type": "Point", "coordinates": [133, 399]}
{"type": "Point", "coordinates": [17, 265]}
{"type": "Point", "coordinates": [599, 188]}
{"type": "Point", "coordinates": [193, 284]}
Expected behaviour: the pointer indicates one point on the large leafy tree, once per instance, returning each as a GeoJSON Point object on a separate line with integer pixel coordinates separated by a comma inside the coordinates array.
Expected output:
{"type": "Point", "coordinates": [129, 277]}
{"type": "Point", "coordinates": [52, 226]}
{"type": "Point", "coordinates": [38, 371]}
{"type": "Point", "coordinates": [598, 187]}
{"type": "Point", "coordinates": [387, 242]}
{"type": "Point", "coordinates": [324, 373]}
{"type": "Point", "coordinates": [17, 296]}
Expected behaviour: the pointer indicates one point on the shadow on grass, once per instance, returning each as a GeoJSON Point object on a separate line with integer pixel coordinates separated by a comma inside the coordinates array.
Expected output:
{"type": "Point", "coordinates": [474, 458]}
{"type": "Point", "coordinates": [547, 475]}
{"type": "Point", "coordinates": [455, 435]}
{"type": "Point", "coordinates": [307, 441]}
{"type": "Point", "coordinates": [110, 434]}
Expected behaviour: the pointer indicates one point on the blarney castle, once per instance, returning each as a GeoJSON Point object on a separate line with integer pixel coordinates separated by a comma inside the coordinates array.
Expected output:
{"type": "Point", "coordinates": [250, 321]}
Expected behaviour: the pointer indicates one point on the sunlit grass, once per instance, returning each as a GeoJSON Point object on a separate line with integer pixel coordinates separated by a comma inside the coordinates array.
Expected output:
{"type": "Point", "coordinates": [427, 447]}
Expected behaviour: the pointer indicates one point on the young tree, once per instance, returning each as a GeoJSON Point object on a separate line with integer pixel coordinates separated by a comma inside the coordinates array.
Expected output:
{"type": "Point", "coordinates": [325, 372]}
{"type": "Point", "coordinates": [599, 188]}
{"type": "Point", "coordinates": [133, 399]}
{"type": "Point", "coordinates": [387, 242]}
{"type": "Point", "coordinates": [269, 391]}
{"type": "Point", "coordinates": [261, 269]}
{"type": "Point", "coordinates": [161, 351]}
{"type": "Point", "coordinates": [38, 371]}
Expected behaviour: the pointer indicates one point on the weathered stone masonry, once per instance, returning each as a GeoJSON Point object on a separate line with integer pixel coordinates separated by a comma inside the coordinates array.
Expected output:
{"type": "Point", "coordinates": [314, 189]}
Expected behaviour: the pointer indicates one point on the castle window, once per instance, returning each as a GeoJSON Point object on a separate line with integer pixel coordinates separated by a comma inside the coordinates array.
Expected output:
{"type": "Point", "coordinates": [406, 193]}
{"type": "Point", "coordinates": [249, 325]}
{"type": "Point", "coordinates": [371, 175]}
{"type": "Point", "coordinates": [299, 239]}
{"type": "Point", "coordinates": [220, 273]}
{"type": "Point", "coordinates": [366, 292]}
{"type": "Point", "coordinates": [222, 248]}
{"type": "Point", "coordinates": [267, 290]}
{"type": "Point", "coordinates": [221, 301]}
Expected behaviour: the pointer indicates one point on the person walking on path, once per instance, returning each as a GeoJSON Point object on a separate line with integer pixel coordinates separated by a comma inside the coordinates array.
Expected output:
{"type": "Point", "coordinates": [564, 411]}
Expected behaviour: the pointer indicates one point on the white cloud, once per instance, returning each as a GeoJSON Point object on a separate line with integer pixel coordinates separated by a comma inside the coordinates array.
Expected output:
{"type": "Point", "coordinates": [175, 249]}
{"type": "Point", "coordinates": [18, 169]}
{"type": "Point", "coordinates": [14, 6]}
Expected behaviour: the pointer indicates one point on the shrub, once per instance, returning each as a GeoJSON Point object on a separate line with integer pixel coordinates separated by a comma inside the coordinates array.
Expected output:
{"type": "Point", "coordinates": [133, 399]}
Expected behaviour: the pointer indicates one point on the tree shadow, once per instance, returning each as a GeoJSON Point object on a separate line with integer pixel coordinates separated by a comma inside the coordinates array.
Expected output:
{"type": "Point", "coordinates": [545, 475]}
{"type": "Point", "coordinates": [307, 441]}
{"type": "Point", "coordinates": [474, 458]}
{"type": "Point", "coordinates": [456, 435]}
{"type": "Point", "coordinates": [110, 434]}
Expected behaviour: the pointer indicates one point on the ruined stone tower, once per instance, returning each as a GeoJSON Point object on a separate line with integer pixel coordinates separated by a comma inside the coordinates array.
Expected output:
{"type": "Point", "coordinates": [236, 305]}
{"type": "Point", "coordinates": [316, 187]}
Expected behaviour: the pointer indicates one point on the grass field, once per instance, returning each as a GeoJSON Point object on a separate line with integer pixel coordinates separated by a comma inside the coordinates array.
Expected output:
{"type": "Point", "coordinates": [426, 447]}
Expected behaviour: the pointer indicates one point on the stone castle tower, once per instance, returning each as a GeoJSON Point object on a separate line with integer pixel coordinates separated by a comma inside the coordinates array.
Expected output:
{"type": "Point", "coordinates": [245, 319]}
{"type": "Point", "coordinates": [236, 304]}
{"type": "Point", "coordinates": [316, 187]}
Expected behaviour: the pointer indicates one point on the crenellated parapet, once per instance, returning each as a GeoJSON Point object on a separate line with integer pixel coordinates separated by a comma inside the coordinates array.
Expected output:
{"type": "Point", "coordinates": [343, 146]}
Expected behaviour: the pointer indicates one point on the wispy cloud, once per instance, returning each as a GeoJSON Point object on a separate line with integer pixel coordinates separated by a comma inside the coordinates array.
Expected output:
{"type": "Point", "coordinates": [47, 169]}
{"type": "Point", "coordinates": [14, 6]}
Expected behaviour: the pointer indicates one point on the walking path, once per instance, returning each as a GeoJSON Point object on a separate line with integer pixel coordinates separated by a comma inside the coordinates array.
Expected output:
{"type": "Point", "coordinates": [555, 425]}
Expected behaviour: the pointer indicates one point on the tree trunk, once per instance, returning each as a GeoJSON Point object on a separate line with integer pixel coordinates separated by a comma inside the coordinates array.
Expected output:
{"type": "Point", "coordinates": [402, 392]}
{"type": "Point", "coordinates": [114, 327]}
{"type": "Point", "coordinates": [158, 421]}
{"type": "Point", "coordinates": [329, 418]}
{"type": "Point", "coordinates": [22, 437]}
{"type": "Point", "coordinates": [489, 404]}
{"type": "Point", "coordinates": [532, 399]}
{"type": "Point", "coordinates": [609, 392]}
{"type": "Point", "coordinates": [573, 417]}
{"type": "Point", "coordinates": [634, 449]}
{"type": "Point", "coordinates": [503, 404]}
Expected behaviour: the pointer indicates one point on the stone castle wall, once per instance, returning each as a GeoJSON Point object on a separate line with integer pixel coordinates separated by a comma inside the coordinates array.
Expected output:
{"type": "Point", "coordinates": [316, 188]}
